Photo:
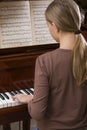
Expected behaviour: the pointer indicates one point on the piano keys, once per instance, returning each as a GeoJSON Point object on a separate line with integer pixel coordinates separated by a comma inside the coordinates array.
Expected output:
{"type": "Point", "coordinates": [6, 99]}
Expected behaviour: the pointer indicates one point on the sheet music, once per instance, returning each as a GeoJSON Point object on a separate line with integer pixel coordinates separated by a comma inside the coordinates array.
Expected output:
{"type": "Point", "coordinates": [15, 25]}
{"type": "Point", "coordinates": [40, 32]}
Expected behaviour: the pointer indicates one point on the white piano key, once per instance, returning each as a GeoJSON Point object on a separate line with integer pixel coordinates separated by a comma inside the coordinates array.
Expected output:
{"type": "Point", "coordinates": [23, 92]}
{"type": "Point", "coordinates": [4, 103]}
{"type": "Point", "coordinates": [8, 101]}
{"type": "Point", "coordinates": [13, 102]}
{"type": "Point", "coordinates": [1, 96]}
{"type": "Point", "coordinates": [1, 104]}
{"type": "Point", "coordinates": [26, 90]}
{"type": "Point", "coordinates": [29, 92]}
{"type": "Point", "coordinates": [32, 89]}
{"type": "Point", "coordinates": [5, 95]}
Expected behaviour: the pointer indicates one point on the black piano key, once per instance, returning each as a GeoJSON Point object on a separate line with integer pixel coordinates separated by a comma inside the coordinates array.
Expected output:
{"type": "Point", "coordinates": [18, 91]}
{"type": "Point", "coordinates": [31, 91]}
{"type": "Point", "coordinates": [5, 95]}
{"type": "Point", "coordinates": [26, 91]}
{"type": "Point", "coordinates": [12, 93]}
{"type": "Point", "coordinates": [1, 96]}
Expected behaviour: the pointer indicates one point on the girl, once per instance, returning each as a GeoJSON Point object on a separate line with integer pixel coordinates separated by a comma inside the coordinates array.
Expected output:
{"type": "Point", "coordinates": [60, 88]}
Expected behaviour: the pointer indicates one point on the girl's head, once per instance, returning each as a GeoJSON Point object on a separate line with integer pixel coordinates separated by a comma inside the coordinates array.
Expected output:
{"type": "Point", "coordinates": [65, 14]}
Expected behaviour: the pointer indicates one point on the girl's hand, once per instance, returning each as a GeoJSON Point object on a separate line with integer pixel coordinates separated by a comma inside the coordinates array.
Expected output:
{"type": "Point", "coordinates": [23, 98]}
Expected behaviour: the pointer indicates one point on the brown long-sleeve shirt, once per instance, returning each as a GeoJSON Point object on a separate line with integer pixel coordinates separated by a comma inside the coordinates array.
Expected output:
{"type": "Point", "coordinates": [58, 104]}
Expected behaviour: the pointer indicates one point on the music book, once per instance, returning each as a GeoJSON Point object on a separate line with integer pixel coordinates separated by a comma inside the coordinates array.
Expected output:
{"type": "Point", "coordinates": [22, 23]}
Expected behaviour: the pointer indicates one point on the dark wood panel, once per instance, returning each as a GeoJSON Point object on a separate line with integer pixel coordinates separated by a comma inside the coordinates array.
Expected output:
{"type": "Point", "coordinates": [13, 114]}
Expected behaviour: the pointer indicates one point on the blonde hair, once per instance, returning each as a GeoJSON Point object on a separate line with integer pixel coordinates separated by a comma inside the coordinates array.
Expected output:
{"type": "Point", "coordinates": [66, 15]}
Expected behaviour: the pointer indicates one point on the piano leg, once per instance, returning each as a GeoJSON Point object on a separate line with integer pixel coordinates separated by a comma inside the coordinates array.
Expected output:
{"type": "Point", "coordinates": [26, 124]}
{"type": "Point", "coordinates": [6, 127]}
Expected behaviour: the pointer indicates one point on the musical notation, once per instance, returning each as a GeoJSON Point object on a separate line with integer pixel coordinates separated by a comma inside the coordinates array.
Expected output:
{"type": "Point", "coordinates": [22, 23]}
{"type": "Point", "coordinates": [15, 24]}
{"type": "Point", "coordinates": [40, 30]}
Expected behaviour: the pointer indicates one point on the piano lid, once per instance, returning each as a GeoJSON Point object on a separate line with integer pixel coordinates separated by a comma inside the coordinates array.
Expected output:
{"type": "Point", "coordinates": [28, 49]}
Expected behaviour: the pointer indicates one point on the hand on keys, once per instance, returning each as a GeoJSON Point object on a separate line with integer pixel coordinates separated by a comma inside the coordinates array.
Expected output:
{"type": "Point", "coordinates": [23, 98]}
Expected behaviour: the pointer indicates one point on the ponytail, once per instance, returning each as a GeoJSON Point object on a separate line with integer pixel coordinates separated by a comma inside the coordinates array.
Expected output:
{"type": "Point", "coordinates": [70, 22]}
{"type": "Point", "coordinates": [80, 60]}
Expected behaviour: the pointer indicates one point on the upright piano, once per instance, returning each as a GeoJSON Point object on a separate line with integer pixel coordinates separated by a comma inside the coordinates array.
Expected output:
{"type": "Point", "coordinates": [17, 73]}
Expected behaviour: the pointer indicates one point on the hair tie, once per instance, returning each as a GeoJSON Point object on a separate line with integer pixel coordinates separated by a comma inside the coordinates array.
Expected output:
{"type": "Point", "coordinates": [78, 32]}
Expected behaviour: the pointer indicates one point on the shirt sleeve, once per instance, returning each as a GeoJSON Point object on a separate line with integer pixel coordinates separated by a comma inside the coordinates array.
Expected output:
{"type": "Point", "coordinates": [38, 106]}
